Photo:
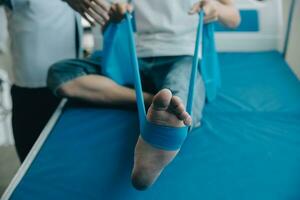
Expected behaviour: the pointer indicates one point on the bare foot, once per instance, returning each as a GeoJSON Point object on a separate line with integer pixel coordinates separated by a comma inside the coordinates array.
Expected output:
{"type": "Point", "coordinates": [149, 161]}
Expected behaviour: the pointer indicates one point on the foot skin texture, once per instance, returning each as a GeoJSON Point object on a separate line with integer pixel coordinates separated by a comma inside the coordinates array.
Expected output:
{"type": "Point", "coordinates": [149, 161]}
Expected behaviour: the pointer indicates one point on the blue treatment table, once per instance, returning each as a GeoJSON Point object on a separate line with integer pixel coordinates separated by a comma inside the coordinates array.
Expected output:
{"type": "Point", "coordinates": [247, 148]}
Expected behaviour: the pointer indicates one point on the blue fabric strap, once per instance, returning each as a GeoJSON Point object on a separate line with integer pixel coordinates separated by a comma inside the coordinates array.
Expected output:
{"type": "Point", "coordinates": [194, 72]}
{"type": "Point", "coordinates": [209, 66]}
{"type": "Point", "coordinates": [164, 137]}
{"type": "Point", "coordinates": [136, 73]}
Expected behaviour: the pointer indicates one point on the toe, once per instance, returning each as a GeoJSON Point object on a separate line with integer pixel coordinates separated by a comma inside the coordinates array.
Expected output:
{"type": "Point", "coordinates": [178, 108]}
{"type": "Point", "coordinates": [176, 104]}
{"type": "Point", "coordinates": [162, 99]}
{"type": "Point", "coordinates": [187, 119]}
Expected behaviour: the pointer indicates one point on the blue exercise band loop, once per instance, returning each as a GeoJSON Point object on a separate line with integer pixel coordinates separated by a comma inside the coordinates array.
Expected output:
{"type": "Point", "coordinates": [163, 137]}
{"type": "Point", "coordinates": [137, 78]}
{"type": "Point", "coordinates": [199, 42]}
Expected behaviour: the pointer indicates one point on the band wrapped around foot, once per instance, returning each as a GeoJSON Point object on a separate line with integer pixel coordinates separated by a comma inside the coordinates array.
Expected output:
{"type": "Point", "coordinates": [164, 137]}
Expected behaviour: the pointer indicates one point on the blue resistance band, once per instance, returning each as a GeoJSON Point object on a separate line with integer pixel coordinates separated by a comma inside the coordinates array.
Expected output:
{"type": "Point", "coordinates": [136, 72]}
{"type": "Point", "coordinates": [163, 137]}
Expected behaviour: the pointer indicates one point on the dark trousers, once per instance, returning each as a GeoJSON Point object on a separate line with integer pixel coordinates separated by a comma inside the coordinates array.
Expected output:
{"type": "Point", "coordinates": [32, 108]}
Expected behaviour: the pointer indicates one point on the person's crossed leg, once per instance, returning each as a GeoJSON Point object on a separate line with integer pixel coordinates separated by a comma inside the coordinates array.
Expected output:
{"type": "Point", "coordinates": [80, 79]}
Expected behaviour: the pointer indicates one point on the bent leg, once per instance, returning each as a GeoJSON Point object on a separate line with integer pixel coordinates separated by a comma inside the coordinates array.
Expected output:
{"type": "Point", "coordinates": [178, 80]}
{"type": "Point", "coordinates": [79, 79]}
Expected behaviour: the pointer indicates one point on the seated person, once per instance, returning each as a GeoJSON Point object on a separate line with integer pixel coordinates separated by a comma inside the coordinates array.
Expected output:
{"type": "Point", "coordinates": [166, 33]}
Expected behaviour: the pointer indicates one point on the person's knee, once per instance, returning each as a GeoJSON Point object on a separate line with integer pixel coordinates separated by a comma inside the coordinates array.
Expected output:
{"type": "Point", "coordinates": [59, 76]}
{"type": "Point", "coordinates": [53, 77]}
{"type": "Point", "coordinates": [66, 90]}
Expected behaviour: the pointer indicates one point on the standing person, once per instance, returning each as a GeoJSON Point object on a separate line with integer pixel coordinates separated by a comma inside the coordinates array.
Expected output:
{"type": "Point", "coordinates": [41, 32]}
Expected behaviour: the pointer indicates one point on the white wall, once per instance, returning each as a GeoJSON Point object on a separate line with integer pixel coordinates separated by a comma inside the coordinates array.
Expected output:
{"type": "Point", "coordinates": [270, 35]}
{"type": "Point", "coordinates": [293, 53]}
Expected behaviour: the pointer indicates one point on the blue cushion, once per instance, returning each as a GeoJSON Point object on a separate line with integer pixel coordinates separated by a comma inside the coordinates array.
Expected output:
{"type": "Point", "coordinates": [249, 23]}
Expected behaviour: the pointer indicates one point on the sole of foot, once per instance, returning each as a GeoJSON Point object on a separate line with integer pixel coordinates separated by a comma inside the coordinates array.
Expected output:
{"type": "Point", "coordinates": [149, 162]}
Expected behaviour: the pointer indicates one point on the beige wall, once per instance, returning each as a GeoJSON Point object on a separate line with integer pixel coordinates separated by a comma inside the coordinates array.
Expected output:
{"type": "Point", "coordinates": [293, 53]}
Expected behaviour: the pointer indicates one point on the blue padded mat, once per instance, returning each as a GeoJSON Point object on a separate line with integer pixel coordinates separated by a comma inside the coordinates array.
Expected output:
{"type": "Point", "coordinates": [247, 148]}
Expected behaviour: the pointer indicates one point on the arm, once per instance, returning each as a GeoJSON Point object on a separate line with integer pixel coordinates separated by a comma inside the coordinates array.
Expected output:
{"type": "Point", "coordinates": [222, 10]}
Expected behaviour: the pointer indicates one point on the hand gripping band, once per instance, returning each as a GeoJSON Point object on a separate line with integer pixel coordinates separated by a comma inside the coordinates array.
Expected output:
{"type": "Point", "coordinates": [164, 137]}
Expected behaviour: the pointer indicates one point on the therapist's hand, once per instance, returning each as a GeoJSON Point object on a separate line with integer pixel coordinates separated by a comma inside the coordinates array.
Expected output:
{"type": "Point", "coordinates": [210, 8]}
{"type": "Point", "coordinates": [98, 10]}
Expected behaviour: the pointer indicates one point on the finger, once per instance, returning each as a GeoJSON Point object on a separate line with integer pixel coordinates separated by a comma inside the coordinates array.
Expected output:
{"type": "Point", "coordinates": [87, 18]}
{"type": "Point", "coordinates": [211, 17]}
{"type": "Point", "coordinates": [95, 16]}
{"type": "Point", "coordinates": [195, 8]}
{"type": "Point", "coordinates": [103, 12]}
{"type": "Point", "coordinates": [98, 9]}
{"type": "Point", "coordinates": [113, 9]}
{"type": "Point", "coordinates": [210, 20]}
{"type": "Point", "coordinates": [118, 11]}
{"type": "Point", "coordinates": [207, 9]}
{"type": "Point", "coordinates": [104, 4]}
{"type": "Point", "coordinates": [130, 8]}
{"type": "Point", "coordinates": [122, 8]}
